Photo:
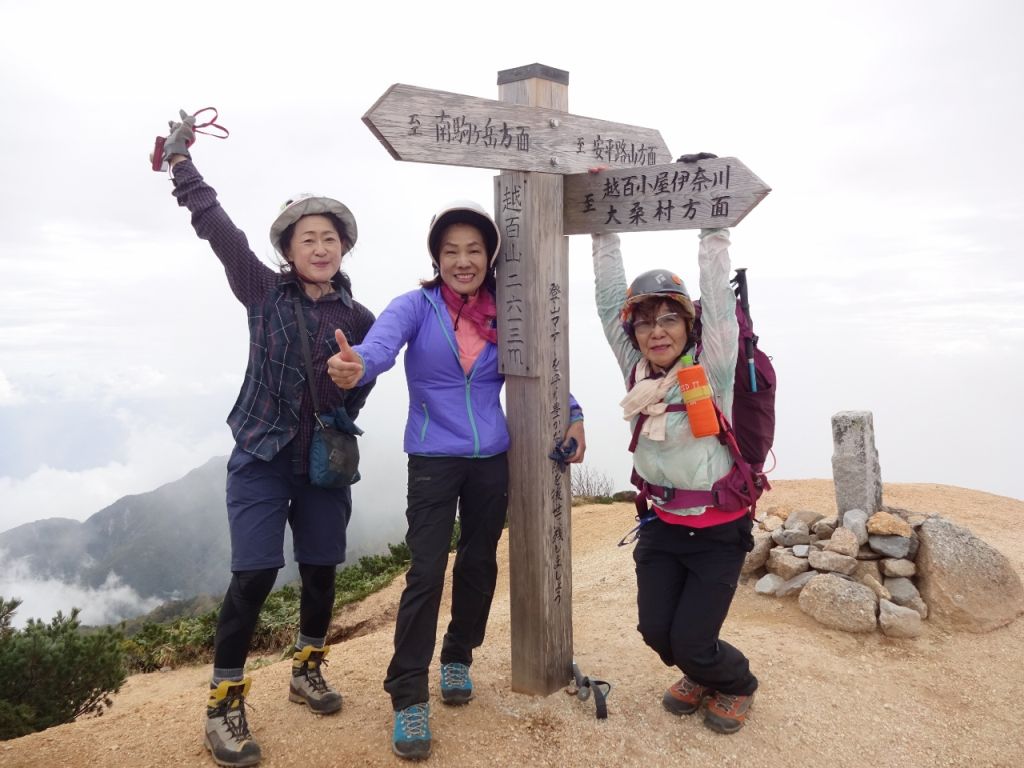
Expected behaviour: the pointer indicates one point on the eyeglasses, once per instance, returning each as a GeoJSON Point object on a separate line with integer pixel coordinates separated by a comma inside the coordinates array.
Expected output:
{"type": "Point", "coordinates": [670, 321]}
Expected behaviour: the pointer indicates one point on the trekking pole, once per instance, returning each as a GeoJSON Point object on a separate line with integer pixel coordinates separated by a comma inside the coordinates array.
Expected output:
{"type": "Point", "coordinates": [741, 289]}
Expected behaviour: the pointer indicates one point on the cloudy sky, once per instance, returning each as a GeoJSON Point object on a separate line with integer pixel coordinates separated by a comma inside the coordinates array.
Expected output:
{"type": "Point", "coordinates": [884, 267]}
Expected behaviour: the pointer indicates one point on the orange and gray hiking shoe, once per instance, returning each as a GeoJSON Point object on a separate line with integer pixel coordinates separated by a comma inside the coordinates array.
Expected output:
{"type": "Point", "coordinates": [726, 713]}
{"type": "Point", "coordinates": [684, 697]}
{"type": "Point", "coordinates": [308, 685]}
{"type": "Point", "coordinates": [227, 732]}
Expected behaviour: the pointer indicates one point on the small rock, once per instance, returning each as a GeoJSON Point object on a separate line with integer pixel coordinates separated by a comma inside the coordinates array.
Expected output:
{"type": "Point", "coordinates": [782, 563]}
{"type": "Point", "coordinates": [897, 621]}
{"type": "Point", "coordinates": [843, 541]}
{"type": "Point", "coordinates": [768, 584]}
{"type": "Point", "coordinates": [874, 585]}
{"type": "Point", "coordinates": [890, 546]}
{"type": "Point", "coordinates": [803, 517]}
{"type": "Point", "coordinates": [832, 561]}
{"type": "Point", "coordinates": [893, 567]}
{"type": "Point", "coordinates": [888, 524]}
{"type": "Point", "coordinates": [857, 521]}
{"type": "Point", "coordinates": [795, 584]}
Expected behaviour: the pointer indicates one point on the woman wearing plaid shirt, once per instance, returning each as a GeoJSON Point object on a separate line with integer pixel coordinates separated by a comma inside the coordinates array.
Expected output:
{"type": "Point", "coordinates": [272, 423]}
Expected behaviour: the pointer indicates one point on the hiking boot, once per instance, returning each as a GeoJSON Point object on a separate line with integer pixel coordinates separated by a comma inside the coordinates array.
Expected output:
{"type": "Point", "coordinates": [456, 685]}
{"type": "Point", "coordinates": [411, 738]}
{"type": "Point", "coordinates": [308, 685]}
{"type": "Point", "coordinates": [684, 697]}
{"type": "Point", "coordinates": [726, 713]}
{"type": "Point", "coordinates": [227, 732]}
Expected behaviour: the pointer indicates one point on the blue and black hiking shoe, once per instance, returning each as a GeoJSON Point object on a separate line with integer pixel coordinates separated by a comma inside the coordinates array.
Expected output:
{"type": "Point", "coordinates": [411, 738]}
{"type": "Point", "coordinates": [456, 685]}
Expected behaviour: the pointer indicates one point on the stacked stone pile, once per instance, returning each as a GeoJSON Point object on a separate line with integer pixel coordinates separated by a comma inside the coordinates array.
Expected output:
{"type": "Point", "coordinates": [874, 567]}
{"type": "Point", "coordinates": [889, 570]}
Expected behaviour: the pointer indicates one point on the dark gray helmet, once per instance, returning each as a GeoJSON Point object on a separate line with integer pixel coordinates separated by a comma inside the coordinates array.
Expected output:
{"type": "Point", "coordinates": [655, 282]}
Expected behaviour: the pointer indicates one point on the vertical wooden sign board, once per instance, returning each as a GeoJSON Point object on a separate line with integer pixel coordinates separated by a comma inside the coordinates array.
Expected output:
{"type": "Point", "coordinates": [533, 315]}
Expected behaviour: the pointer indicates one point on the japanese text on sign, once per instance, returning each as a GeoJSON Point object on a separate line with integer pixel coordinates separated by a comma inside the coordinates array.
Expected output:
{"type": "Point", "coordinates": [717, 192]}
{"type": "Point", "coordinates": [557, 432]}
{"type": "Point", "coordinates": [513, 315]}
{"type": "Point", "coordinates": [499, 135]}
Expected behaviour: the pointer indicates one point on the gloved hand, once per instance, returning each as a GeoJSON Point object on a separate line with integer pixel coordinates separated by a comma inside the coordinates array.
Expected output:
{"type": "Point", "coordinates": [181, 137]}
{"type": "Point", "coordinates": [696, 158]}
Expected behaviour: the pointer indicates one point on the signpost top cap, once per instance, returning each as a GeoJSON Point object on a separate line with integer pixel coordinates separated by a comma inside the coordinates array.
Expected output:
{"type": "Point", "coordinates": [542, 71]}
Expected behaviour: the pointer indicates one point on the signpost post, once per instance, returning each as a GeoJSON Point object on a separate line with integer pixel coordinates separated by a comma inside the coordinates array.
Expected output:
{"type": "Point", "coordinates": [529, 135]}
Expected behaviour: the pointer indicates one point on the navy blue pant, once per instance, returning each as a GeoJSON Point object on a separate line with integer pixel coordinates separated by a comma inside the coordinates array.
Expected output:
{"type": "Point", "coordinates": [437, 486]}
{"type": "Point", "coordinates": [686, 579]}
{"type": "Point", "coordinates": [262, 497]}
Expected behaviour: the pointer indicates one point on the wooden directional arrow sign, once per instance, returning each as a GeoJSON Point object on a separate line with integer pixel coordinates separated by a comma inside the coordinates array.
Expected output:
{"type": "Point", "coordinates": [710, 193]}
{"type": "Point", "coordinates": [436, 127]}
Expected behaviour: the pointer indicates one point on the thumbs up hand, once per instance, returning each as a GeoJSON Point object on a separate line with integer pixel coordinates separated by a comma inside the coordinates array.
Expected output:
{"type": "Point", "coordinates": [345, 368]}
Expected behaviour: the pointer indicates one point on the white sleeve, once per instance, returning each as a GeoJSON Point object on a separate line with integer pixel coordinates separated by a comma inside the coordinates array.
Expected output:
{"type": "Point", "coordinates": [610, 291]}
{"type": "Point", "coordinates": [719, 329]}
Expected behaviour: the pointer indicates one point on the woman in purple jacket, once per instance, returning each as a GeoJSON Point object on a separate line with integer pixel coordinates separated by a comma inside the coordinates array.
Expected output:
{"type": "Point", "coordinates": [456, 438]}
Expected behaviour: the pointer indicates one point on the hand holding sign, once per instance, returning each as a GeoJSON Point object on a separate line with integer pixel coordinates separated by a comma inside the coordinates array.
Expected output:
{"type": "Point", "coordinates": [346, 367]}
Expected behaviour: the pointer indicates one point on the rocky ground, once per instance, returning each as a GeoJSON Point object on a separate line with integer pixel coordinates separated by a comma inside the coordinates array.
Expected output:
{"type": "Point", "coordinates": [827, 698]}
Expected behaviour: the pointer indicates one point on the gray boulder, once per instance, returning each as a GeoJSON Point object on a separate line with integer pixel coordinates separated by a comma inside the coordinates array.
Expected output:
{"type": "Point", "coordinates": [966, 583]}
{"type": "Point", "coordinates": [839, 603]}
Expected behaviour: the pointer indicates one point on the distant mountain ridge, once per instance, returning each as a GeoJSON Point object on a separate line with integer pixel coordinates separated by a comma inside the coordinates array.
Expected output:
{"type": "Point", "coordinates": [169, 543]}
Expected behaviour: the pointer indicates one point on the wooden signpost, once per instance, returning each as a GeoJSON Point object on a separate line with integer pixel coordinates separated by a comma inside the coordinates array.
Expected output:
{"type": "Point", "coordinates": [530, 136]}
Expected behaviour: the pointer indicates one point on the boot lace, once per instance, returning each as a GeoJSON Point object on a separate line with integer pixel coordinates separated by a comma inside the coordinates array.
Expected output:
{"type": "Point", "coordinates": [727, 702]}
{"type": "Point", "coordinates": [234, 718]}
{"type": "Point", "coordinates": [455, 676]}
{"type": "Point", "coordinates": [311, 670]}
{"type": "Point", "coordinates": [414, 720]}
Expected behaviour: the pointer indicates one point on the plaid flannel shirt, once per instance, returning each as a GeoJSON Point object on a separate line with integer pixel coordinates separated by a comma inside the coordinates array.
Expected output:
{"type": "Point", "coordinates": [274, 406]}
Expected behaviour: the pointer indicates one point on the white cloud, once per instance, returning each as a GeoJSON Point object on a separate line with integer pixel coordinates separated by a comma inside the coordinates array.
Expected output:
{"type": "Point", "coordinates": [155, 454]}
{"type": "Point", "coordinates": [43, 598]}
{"type": "Point", "coordinates": [8, 394]}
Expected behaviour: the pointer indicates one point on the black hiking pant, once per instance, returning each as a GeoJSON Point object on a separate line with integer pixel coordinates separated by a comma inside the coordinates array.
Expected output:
{"type": "Point", "coordinates": [437, 486]}
{"type": "Point", "coordinates": [686, 579]}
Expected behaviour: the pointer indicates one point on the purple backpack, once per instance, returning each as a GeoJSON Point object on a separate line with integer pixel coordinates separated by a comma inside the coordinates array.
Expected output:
{"type": "Point", "coordinates": [750, 435]}
{"type": "Point", "coordinates": [753, 408]}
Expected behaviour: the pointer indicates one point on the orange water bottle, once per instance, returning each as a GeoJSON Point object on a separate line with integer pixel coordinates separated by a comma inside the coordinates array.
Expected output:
{"type": "Point", "coordinates": [693, 383]}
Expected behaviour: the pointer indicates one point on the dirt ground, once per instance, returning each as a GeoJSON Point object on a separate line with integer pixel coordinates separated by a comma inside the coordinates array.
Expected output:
{"type": "Point", "coordinates": [827, 698]}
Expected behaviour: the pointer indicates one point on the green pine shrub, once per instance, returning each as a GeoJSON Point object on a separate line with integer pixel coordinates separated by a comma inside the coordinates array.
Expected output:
{"type": "Point", "coordinates": [53, 673]}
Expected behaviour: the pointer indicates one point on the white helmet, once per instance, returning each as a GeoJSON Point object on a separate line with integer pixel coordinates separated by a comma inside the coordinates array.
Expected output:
{"type": "Point", "coordinates": [464, 212]}
{"type": "Point", "coordinates": [307, 204]}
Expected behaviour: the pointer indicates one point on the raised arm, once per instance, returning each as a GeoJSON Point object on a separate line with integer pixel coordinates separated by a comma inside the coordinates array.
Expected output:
{"type": "Point", "coordinates": [610, 292]}
{"type": "Point", "coordinates": [248, 277]}
{"type": "Point", "coordinates": [719, 329]}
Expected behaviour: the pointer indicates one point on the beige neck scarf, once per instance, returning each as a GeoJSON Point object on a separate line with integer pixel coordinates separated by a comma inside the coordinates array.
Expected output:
{"type": "Point", "coordinates": [647, 396]}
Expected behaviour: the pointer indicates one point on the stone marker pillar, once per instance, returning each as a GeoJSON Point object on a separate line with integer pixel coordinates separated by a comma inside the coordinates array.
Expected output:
{"type": "Point", "coordinates": [855, 469]}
